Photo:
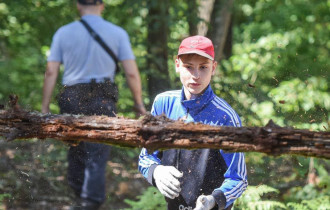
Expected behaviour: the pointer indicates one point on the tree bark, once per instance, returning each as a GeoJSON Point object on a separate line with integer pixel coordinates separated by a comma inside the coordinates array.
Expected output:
{"type": "Point", "coordinates": [205, 10]}
{"type": "Point", "coordinates": [192, 16]}
{"type": "Point", "coordinates": [162, 133]}
{"type": "Point", "coordinates": [216, 24]}
{"type": "Point", "coordinates": [228, 48]}
{"type": "Point", "coordinates": [220, 26]}
{"type": "Point", "coordinates": [158, 76]}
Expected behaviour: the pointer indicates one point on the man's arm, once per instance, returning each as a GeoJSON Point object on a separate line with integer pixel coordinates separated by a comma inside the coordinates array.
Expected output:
{"type": "Point", "coordinates": [148, 163]}
{"type": "Point", "coordinates": [49, 84]}
{"type": "Point", "coordinates": [235, 179]}
{"type": "Point", "coordinates": [234, 185]}
{"type": "Point", "coordinates": [235, 182]}
{"type": "Point", "coordinates": [134, 83]}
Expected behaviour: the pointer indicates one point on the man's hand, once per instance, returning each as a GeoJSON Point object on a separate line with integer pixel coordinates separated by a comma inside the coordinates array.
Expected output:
{"type": "Point", "coordinates": [166, 179]}
{"type": "Point", "coordinates": [205, 202]}
{"type": "Point", "coordinates": [139, 110]}
{"type": "Point", "coordinates": [45, 109]}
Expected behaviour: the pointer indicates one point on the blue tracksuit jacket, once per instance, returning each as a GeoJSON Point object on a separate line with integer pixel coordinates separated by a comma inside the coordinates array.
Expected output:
{"type": "Point", "coordinates": [205, 171]}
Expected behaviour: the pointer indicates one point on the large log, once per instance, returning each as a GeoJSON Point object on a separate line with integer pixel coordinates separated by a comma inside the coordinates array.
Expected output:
{"type": "Point", "coordinates": [162, 133]}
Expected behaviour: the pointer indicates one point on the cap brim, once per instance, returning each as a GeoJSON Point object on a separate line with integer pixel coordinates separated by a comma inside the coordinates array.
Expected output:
{"type": "Point", "coordinates": [198, 53]}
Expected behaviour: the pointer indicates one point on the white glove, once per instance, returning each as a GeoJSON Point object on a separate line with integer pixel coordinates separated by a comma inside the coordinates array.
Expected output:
{"type": "Point", "coordinates": [205, 202]}
{"type": "Point", "coordinates": [166, 179]}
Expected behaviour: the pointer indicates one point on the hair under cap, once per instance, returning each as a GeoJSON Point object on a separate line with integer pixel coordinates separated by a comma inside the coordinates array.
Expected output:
{"type": "Point", "coordinates": [199, 45]}
{"type": "Point", "coordinates": [90, 2]}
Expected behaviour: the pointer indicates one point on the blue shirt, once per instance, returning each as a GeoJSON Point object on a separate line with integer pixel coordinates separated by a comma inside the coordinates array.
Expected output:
{"type": "Point", "coordinates": [84, 58]}
{"type": "Point", "coordinates": [207, 109]}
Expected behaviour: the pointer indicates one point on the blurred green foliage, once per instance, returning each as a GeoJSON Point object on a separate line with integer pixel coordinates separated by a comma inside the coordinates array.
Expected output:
{"type": "Point", "coordinates": [260, 198]}
{"type": "Point", "coordinates": [280, 67]}
{"type": "Point", "coordinates": [144, 201]}
{"type": "Point", "coordinates": [252, 199]}
{"type": "Point", "coordinates": [2, 197]}
{"type": "Point", "coordinates": [279, 70]}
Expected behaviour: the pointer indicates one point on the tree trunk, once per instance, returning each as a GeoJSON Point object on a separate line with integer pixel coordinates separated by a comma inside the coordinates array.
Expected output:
{"type": "Point", "coordinates": [216, 24]}
{"type": "Point", "coordinates": [205, 11]}
{"type": "Point", "coordinates": [227, 51]}
{"type": "Point", "coordinates": [192, 16]}
{"type": "Point", "coordinates": [161, 133]}
{"type": "Point", "coordinates": [158, 76]}
{"type": "Point", "coordinates": [220, 26]}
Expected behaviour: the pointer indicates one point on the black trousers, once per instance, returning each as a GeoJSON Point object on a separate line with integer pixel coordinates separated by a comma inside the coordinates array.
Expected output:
{"type": "Point", "coordinates": [87, 161]}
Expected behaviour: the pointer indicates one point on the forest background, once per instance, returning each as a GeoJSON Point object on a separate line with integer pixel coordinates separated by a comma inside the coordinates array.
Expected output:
{"type": "Point", "coordinates": [274, 64]}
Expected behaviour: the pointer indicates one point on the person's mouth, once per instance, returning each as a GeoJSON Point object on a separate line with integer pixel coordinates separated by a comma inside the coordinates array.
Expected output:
{"type": "Point", "coordinates": [195, 84]}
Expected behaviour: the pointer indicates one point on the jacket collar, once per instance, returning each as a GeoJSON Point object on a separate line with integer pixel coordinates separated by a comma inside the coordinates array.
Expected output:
{"type": "Point", "coordinates": [91, 17]}
{"type": "Point", "coordinates": [197, 104]}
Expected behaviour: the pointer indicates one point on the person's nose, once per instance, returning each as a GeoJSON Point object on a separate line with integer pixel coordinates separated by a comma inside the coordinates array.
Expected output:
{"type": "Point", "coordinates": [195, 74]}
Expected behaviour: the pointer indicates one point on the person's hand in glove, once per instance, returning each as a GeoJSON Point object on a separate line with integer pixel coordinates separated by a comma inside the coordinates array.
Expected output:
{"type": "Point", "coordinates": [205, 202]}
{"type": "Point", "coordinates": [166, 179]}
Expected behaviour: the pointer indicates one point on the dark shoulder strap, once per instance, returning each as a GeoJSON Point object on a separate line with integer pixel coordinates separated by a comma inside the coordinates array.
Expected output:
{"type": "Point", "coordinates": [101, 42]}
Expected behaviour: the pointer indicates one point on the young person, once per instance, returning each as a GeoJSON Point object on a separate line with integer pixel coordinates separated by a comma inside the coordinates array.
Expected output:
{"type": "Point", "coordinates": [89, 73]}
{"type": "Point", "coordinates": [204, 178]}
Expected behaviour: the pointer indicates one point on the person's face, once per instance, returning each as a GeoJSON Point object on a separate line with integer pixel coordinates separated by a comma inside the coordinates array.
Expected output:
{"type": "Point", "coordinates": [195, 73]}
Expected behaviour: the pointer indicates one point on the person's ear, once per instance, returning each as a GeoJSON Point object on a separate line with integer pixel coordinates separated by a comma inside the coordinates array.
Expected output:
{"type": "Point", "coordinates": [177, 65]}
{"type": "Point", "coordinates": [214, 66]}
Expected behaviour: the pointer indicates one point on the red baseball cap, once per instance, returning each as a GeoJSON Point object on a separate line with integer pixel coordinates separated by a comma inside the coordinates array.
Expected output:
{"type": "Point", "coordinates": [197, 45]}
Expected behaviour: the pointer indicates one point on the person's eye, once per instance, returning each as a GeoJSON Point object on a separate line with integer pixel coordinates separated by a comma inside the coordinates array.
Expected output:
{"type": "Point", "coordinates": [188, 67]}
{"type": "Point", "coordinates": [203, 67]}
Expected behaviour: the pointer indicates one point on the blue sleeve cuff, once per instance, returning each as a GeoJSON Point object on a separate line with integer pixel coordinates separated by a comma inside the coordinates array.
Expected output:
{"type": "Point", "coordinates": [220, 199]}
{"type": "Point", "coordinates": [150, 178]}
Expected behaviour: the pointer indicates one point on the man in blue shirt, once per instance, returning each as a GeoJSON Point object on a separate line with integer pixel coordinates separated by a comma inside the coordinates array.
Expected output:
{"type": "Point", "coordinates": [204, 178]}
{"type": "Point", "coordinates": [88, 78]}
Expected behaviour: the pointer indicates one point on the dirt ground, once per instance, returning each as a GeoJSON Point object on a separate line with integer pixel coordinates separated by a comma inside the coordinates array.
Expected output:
{"type": "Point", "coordinates": [33, 176]}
